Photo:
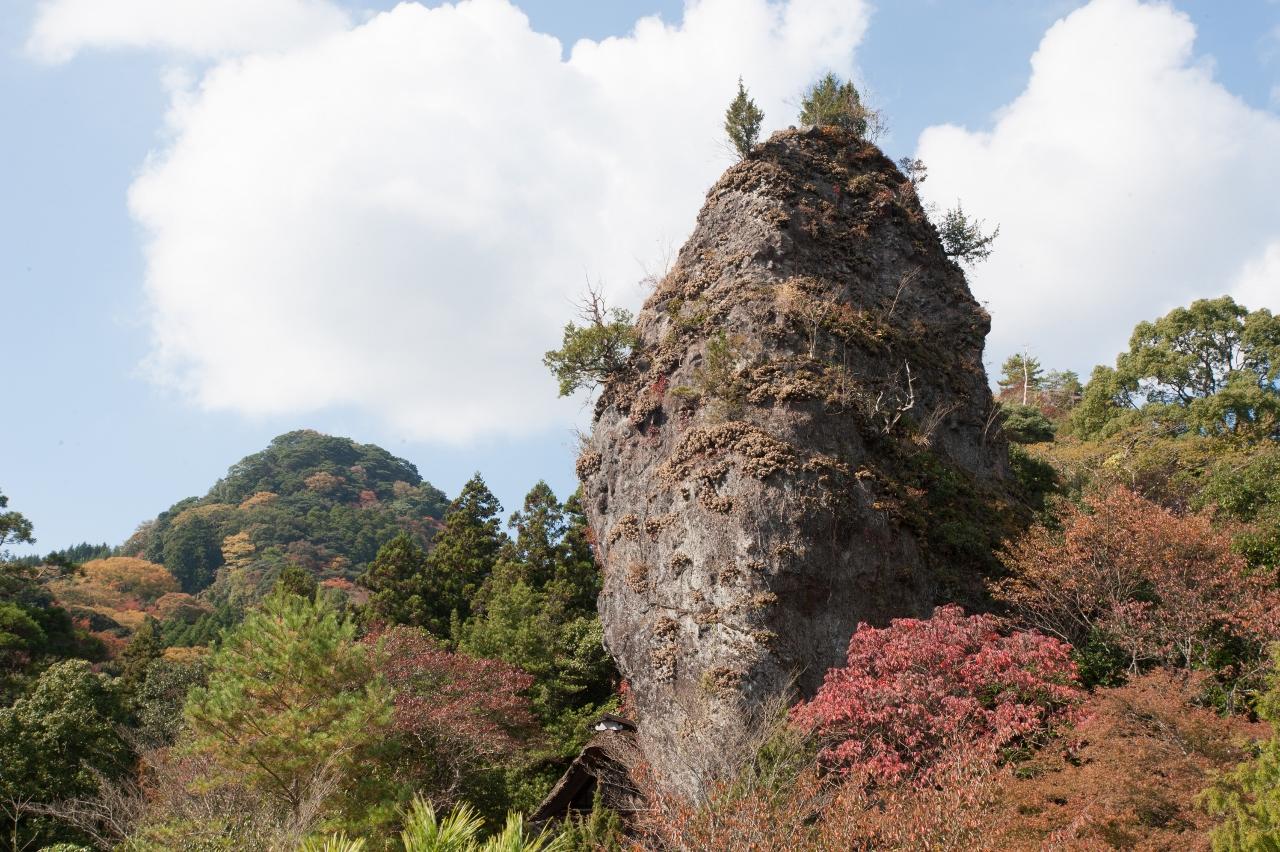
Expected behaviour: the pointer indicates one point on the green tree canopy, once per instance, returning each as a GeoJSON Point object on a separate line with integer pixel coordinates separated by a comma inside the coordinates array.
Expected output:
{"type": "Point", "coordinates": [399, 588]}
{"type": "Point", "coordinates": [33, 628]}
{"type": "Point", "coordinates": [963, 238]}
{"type": "Point", "coordinates": [742, 121]}
{"type": "Point", "coordinates": [54, 743]}
{"type": "Point", "coordinates": [1247, 800]}
{"type": "Point", "coordinates": [835, 102]}
{"type": "Point", "coordinates": [463, 554]}
{"type": "Point", "coordinates": [291, 703]}
{"type": "Point", "coordinates": [296, 580]}
{"type": "Point", "coordinates": [1026, 424]}
{"type": "Point", "coordinates": [589, 354]}
{"type": "Point", "coordinates": [538, 611]}
{"type": "Point", "coordinates": [14, 528]}
{"type": "Point", "coordinates": [1212, 367]}
{"type": "Point", "coordinates": [1020, 377]}
{"type": "Point", "coordinates": [145, 646]}
{"type": "Point", "coordinates": [193, 552]}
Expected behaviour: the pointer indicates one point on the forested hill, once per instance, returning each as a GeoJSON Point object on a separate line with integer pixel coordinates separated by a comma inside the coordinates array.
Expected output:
{"type": "Point", "coordinates": [323, 503]}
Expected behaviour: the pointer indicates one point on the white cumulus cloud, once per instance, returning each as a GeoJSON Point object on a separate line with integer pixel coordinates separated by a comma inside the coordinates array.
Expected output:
{"type": "Point", "coordinates": [1258, 284]}
{"type": "Point", "coordinates": [204, 29]}
{"type": "Point", "coordinates": [1126, 181]}
{"type": "Point", "coordinates": [397, 218]}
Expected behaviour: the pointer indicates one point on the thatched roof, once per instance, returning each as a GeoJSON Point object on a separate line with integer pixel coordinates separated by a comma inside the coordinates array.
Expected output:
{"type": "Point", "coordinates": [604, 764]}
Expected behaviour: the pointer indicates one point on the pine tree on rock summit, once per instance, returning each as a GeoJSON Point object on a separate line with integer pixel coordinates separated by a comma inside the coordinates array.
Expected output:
{"type": "Point", "coordinates": [742, 121]}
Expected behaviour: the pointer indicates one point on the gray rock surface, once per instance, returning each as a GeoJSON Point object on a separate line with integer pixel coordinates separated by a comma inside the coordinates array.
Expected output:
{"type": "Point", "coordinates": [805, 421]}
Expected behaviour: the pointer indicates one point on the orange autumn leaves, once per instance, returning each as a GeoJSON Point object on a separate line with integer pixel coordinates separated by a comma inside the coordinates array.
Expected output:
{"type": "Point", "coordinates": [124, 589]}
{"type": "Point", "coordinates": [1156, 586]}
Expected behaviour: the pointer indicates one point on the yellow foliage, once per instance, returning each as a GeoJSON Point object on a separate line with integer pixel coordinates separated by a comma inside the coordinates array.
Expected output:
{"type": "Point", "coordinates": [323, 482]}
{"type": "Point", "coordinates": [131, 619]}
{"type": "Point", "coordinates": [180, 605]}
{"type": "Point", "coordinates": [259, 499]}
{"type": "Point", "coordinates": [119, 584]}
{"type": "Point", "coordinates": [186, 655]}
{"type": "Point", "coordinates": [214, 512]}
{"type": "Point", "coordinates": [237, 549]}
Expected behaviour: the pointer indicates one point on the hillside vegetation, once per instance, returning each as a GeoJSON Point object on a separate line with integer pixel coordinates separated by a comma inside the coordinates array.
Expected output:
{"type": "Point", "coordinates": [323, 503]}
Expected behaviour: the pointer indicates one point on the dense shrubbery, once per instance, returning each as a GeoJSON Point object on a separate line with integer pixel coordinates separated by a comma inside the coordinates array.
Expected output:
{"type": "Point", "coordinates": [918, 691]}
{"type": "Point", "coordinates": [833, 102]}
{"type": "Point", "coordinates": [1126, 580]}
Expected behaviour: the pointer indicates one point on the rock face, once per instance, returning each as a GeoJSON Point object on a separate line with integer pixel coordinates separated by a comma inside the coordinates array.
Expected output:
{"type": "Point", "coordinates": [792, 448]}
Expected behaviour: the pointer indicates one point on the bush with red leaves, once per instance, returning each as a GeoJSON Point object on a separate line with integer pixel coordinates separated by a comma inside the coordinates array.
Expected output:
{"type": "Point", "coordinates": [455, 714]}
{"type": "Point", "coordinates": [917, 691]}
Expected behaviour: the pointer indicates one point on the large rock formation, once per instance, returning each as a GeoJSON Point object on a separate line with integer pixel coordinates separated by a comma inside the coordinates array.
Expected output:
{"type": "Point", "coordinates": [795, 447]}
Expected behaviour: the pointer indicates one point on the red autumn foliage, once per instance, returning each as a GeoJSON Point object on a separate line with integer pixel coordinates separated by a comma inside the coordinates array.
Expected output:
{"type": "Point", "coordinates": [1155, 583]}
{"type": "Point", "coordinates": [918, 689]}
{"type": "Point", "coordinates": [456, 713]}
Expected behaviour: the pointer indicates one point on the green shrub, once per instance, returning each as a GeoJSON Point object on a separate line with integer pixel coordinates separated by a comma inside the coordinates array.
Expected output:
{"type": "Point", "coordinates": [834, 102]}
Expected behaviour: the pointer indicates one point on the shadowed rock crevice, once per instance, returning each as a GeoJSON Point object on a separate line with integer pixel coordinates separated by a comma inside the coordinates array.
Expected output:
{"type": "Point", "coordinates": [805, 421]}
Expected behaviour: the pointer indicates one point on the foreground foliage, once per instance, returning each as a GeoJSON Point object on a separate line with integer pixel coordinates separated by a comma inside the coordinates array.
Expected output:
{"type": "Point", "coordinates": [782, 798]}
{"type": "Point", "coordinates": [1247, 799]}
{"type": "Point", "coordinates": [60, 738]}
{"type": "Point", "coordinates": [291, 704]}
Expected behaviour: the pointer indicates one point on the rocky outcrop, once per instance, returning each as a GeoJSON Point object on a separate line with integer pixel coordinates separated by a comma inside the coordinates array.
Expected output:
{"type": "Point", "coordinates": [802, 430]}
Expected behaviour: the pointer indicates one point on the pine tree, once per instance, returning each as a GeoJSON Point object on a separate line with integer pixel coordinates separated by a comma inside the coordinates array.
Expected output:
{"type": "Point", "coordinates": [962, 237]}
{"type": "Point", "coordinates": [577, 580]}
{"type": "Point", "coordinates": [144, 647]}
{"type": "Point", "coordinates": [463, 555]}
{"type": "Point", "coordinates": [1020, 378]}
{"type": "Point", "coordinates": [742, 121]}
{"type": "Point", "coordinates": [538, 611]}
{"type": "Point", "coordinates": [539, 527]}
{"type": "Point", "coordinates": [397, 582]}
{"type": "Point", "coordinates": [291, 704]}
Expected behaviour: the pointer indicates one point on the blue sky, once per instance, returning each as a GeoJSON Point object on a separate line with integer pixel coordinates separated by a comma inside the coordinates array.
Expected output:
{"type": "Point", "coordinates": [95, 443]}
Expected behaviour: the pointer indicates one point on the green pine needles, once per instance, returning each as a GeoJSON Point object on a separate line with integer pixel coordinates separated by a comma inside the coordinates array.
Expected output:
{"type": "Point", "coordinates": [459, 830]}
{"type": "Point", "coordinates": [291, 699]}
{"type": "Point", "coordinates": [591, 353]}
{"type": "Point", "coordinates": [1247, 799]}
{"type": "Point", "coordinates": [742, 122]}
